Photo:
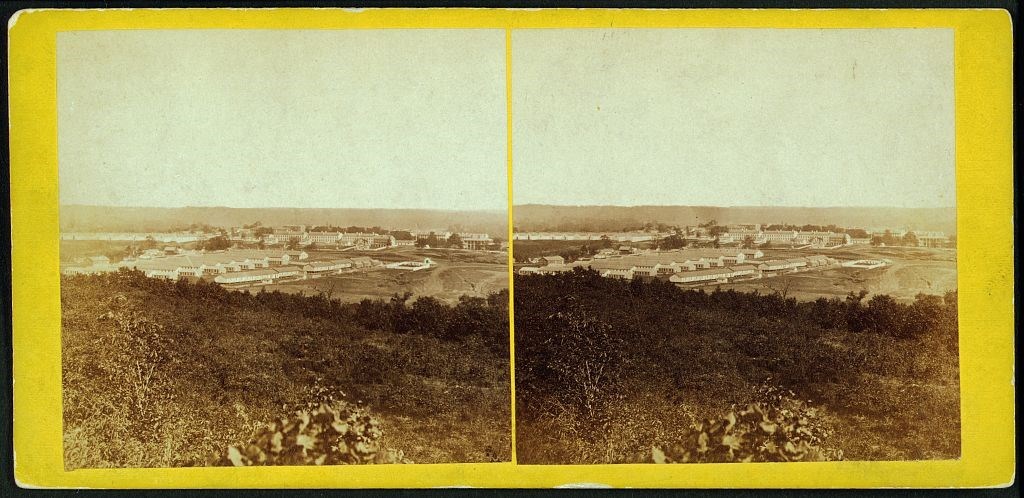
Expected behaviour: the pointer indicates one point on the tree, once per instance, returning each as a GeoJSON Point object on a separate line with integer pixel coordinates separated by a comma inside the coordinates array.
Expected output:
{"type": "Point", "coordinates": [293, 243]}
{"type": "Point", "coordinates": [671, 242]}
{"type": "Point", "coordinates": [218, 243]}
{"type": "Point", "coordinates": [149, 243]}
{"type": "Point", "coordinates": [885, 315]}
{"type": "Point", "coordinates": [605, 242]}
{"type": "Point", "coordinates": [857, 233]}
{"type": "Point", "coordinates": [402, 235]}
{"type": "Point", "coordinates": [748, 242]}
{"type": "Point", "coordinates": [431, 240]}
{"type": "Point", "coordinates": [910, 239]}
{"type": "Point", "coordinates": [454, 240]}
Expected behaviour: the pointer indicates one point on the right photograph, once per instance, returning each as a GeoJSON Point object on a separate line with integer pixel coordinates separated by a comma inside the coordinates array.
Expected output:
{"type": "Point", "coordinates": [734, 245]}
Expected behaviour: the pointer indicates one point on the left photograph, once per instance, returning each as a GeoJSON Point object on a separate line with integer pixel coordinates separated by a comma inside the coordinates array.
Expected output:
{"type": "Point", "coordinates": [283, 247]}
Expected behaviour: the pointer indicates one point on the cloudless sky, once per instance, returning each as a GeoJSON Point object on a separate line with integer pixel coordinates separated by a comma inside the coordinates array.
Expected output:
{"type": "Point", "coordinates": [734, 117]}
{"type": "Point", "coordinates": [348, 118]}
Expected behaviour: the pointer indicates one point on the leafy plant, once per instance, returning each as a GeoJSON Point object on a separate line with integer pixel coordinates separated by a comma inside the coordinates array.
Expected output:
{"type": "Point", "coordinates": [332, 433]}
{"type": "Point", "coordinates": [756, 433]}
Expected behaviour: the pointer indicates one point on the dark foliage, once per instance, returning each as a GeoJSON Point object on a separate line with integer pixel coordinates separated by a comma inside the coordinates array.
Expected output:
{"type": "Point", "coordinates": [676, 356]}
{"type": "Point", "coordinates": [161, 373]}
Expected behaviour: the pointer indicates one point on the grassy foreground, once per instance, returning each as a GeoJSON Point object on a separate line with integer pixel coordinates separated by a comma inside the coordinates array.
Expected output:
{"type": "Point", "coordinates": [159, 374]}
{"type": "Point", "coordinates": [613, 371]}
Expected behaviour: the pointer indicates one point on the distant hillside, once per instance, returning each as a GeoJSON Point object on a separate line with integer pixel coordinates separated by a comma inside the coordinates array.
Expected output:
{"type": "Point", "coordinates": [540, 217]}
{"type": "Point", "coordinates": [124, 219]}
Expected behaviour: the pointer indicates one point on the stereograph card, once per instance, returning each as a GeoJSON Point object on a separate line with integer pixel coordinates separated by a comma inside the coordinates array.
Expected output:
{"type": "Point", "coordinates": [509, 248]}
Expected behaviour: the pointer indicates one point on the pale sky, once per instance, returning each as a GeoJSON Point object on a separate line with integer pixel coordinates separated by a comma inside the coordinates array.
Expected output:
{"type": "Point", "coordinates": [351, 118]}
{"type": "Point", "coordinates": [731, 117]}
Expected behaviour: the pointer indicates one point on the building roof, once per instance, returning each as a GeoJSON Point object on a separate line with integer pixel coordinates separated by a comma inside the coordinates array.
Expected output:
{"type": "Point", "coordinates": [164, 264]}
{"type": "Point", "coordinates": [327, 234]}
{"type": "Point", "coordinates": [703, 273]}
{"type": "Point", "coordinates": [319, 264]}
{"type": "Point", "coordinates": [558, 269]}
{"type": "Point", "coordinates": [617, 270]}
{"type": "Point", "coordinates": [608, 264]}
{"type": "Point", "coordinates": [679, 256]}
{"type": "Point", "coordinates": [820, 234]}
{"type": "Point", "coordinates": [260, 272]}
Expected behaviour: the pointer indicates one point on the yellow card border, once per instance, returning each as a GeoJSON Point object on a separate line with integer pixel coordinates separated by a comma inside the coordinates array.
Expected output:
{"type": "Point", "coordinates": [983, 94]}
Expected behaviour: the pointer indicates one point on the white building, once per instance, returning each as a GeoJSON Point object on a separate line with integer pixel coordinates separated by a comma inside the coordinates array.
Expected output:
{"type": "Point", "coordinates": [262, 275]}
{"type": "Point", "coordinates": [720, 275]}
{"type": "Point", "coordinates": [326, 238]}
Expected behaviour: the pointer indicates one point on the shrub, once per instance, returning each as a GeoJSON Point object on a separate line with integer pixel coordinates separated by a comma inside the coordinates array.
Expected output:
{"type": "Point", "coordinates": [175, 372]}
{"type": "Point", "coordinates": [332, 433]}
{"type": "Point", "coordinates": [576, 360]}
{"type": "Point", "coordinates": [137, 369]}
{"type": "Point", "coordinates": [679, 352]}
{"type": "Point", "coordinates": [757, 433]}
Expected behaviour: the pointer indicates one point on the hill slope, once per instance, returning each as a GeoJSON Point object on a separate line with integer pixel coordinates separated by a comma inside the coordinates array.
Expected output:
{"type": "Point", "coordinates": [541, 217]}
{"type": "Point", "coordinates": [145, 219]}
{"type": "Point", "coordinates": [606, 369]}
{"type": "Point", "coordinates": [220, 364]}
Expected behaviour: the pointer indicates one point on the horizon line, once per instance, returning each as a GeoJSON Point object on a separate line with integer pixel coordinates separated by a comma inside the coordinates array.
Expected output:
{"type": "Point", "coordinates": [498, 210]}
{"type": "Point", "coordinates": [733, 206]}
{"type": "Point", "coordinates": [495, 210]}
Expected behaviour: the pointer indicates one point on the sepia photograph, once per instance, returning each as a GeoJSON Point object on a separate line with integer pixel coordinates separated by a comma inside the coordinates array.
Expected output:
{"type": "Point", "coordinates": [735, 245]}
{"type": "Point", "coordinates": [283, 247]}
{"type": "Point", "coordinates": [511, 248]}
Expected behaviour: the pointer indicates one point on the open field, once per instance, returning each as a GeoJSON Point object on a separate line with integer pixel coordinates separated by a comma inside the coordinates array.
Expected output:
{"type": "Point", "coordinates": [912, 271]}
{"type": "Point", "coordinates": [526, 249]}
{"type": "Point", "coordinates": [458, 273]}
{"type": "Point", "coordinates": [71, 250]}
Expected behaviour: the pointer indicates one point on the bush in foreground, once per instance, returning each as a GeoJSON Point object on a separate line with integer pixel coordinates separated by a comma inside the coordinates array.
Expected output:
{"type": "Point", "coordinates": [331, 433]}
{"type": "Point", "coordinates": [757, 433]}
